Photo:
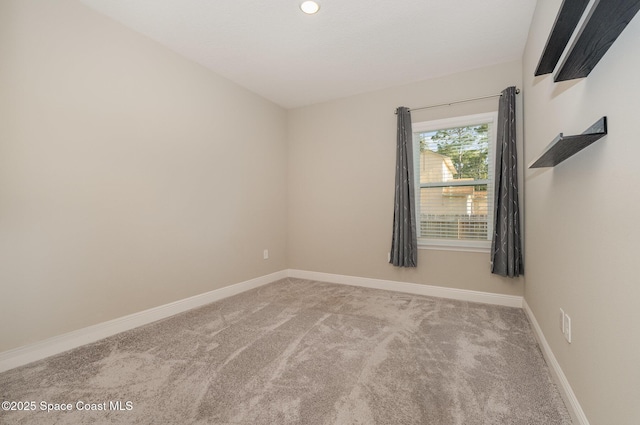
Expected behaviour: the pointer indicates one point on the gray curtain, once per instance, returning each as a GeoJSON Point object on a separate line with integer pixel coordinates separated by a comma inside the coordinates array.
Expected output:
{"type": "Point", "coordinates": [404, 244]}
{"type": "Point", "coordinates": [506, 249]}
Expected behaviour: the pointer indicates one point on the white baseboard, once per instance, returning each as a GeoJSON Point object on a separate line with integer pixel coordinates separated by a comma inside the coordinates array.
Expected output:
{"type": "Point", "coordinates": [575, 410]}
{"type": "Point", "coordinates": [412, 288]}
{"type": "Point", "coordinates": [58, 344]}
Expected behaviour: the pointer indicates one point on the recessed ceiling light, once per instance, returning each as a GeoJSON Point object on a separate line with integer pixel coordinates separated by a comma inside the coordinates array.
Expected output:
{"type": "Point", "coordinates": [309, 7]}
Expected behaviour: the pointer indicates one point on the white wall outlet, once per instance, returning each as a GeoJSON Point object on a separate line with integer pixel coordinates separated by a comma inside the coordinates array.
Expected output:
{"type": "Point", "coordinates": [388, 257]}
{"type": "Point", "coordinates": [265, 254]}
{"type": "Point", "coordinates": [567, 328]}
{"type": "Point", "coordinates": [562, 321]}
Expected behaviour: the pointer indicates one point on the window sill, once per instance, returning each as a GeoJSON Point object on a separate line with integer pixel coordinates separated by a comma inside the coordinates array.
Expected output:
{"type": "Point", "coordinates": [467, 246]}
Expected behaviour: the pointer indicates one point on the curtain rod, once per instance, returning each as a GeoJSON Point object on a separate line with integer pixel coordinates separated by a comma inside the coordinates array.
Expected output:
{"type": "Point", "coordinates": [458, 101]}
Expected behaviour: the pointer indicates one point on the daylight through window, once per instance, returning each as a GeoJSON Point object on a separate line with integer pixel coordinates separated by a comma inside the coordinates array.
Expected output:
{"type": "Point", "coordinates": [454, 171]}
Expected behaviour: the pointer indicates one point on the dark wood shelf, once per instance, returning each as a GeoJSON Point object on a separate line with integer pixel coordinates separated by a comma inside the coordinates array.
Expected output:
{"type": "Point", "coordinates": [568, 17]}
{"type": "Point", "coordinates": [563, 147]}
{"type": "Point", "coordinates": [606, 20]}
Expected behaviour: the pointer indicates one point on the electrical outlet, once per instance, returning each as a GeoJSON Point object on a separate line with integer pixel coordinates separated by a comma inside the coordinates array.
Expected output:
{"type": "Point", "coordinates": [265, 254]}
{"type": "Point", "coordinates": [562, 321]}
{"type": "Point", "coordinates": [567, 328]}
{"type": "Point", "coordinates": [388, 257]}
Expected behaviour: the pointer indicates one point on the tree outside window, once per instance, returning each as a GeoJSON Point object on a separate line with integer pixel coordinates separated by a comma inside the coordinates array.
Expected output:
{"type": "Point", "coordinates": [454, 175]}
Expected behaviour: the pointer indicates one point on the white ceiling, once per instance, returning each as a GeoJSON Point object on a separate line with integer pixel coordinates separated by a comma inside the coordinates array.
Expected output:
{"type": "Point", "coordinates": [348, 47]}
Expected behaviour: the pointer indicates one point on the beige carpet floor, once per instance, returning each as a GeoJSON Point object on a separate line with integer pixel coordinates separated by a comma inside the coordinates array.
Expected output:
{"type": "Point", "coordinates": [302, 352]}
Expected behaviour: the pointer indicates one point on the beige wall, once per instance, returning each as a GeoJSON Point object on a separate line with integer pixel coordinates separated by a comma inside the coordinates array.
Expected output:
{"type": "Point", "coordinates": [582, 237]}
{"type": "Point", "coordinates": [341, 182]}
{"type": "Point", "coordinates": [129, 176]}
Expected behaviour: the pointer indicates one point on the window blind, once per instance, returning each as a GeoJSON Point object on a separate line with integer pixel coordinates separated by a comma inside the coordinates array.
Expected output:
{"type": "Point", "coordinates": [455, 175]}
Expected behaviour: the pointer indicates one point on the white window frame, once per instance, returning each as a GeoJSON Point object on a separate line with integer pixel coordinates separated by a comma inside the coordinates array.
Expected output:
{"type": "Point", "coordinates": [490, 118]}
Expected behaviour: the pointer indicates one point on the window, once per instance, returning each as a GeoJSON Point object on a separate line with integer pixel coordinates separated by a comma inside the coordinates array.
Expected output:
{"type": "Point", "coordinates": [454, 181]}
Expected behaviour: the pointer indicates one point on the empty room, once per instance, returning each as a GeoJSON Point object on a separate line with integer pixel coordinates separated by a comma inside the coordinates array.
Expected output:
{"type": "Point", "coordinates": [332, 212]}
